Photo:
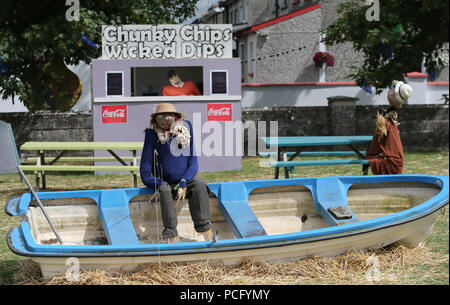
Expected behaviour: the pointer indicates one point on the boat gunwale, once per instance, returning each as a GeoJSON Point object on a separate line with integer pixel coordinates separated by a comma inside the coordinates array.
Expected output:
{"type": "Point", "coordinates": [422, 210]}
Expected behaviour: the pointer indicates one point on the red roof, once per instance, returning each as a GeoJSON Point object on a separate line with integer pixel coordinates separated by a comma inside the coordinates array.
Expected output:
{"type": "Point", "coordinates": [279, 19]}
{"type": "Point", "coordinates": [416, 74]}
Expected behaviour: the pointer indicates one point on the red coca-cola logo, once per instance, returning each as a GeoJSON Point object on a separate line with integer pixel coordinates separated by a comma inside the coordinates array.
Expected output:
{"type": "Point", "coordinates": [220, 112]}
{"type": "Point", "coordinates": [114, 114]}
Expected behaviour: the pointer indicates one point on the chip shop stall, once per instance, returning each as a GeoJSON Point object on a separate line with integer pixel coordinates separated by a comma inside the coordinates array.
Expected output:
{"type": "Point", "coordinates": [129, 80]}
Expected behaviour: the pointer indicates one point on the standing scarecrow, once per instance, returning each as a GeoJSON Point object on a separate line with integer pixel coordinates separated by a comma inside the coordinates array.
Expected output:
{"type": "Point", "coordinates": [385, 152]}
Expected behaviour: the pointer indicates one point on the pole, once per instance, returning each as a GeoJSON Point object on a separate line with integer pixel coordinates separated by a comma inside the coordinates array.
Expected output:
{"type": "Point", "coordinates": [40, 204]}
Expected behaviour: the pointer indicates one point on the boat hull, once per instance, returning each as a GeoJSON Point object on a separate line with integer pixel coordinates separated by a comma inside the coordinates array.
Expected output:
{"type": "Point", "coordinates": [291, 212]}
{"type": "Point", "coordinates": [56, 266]}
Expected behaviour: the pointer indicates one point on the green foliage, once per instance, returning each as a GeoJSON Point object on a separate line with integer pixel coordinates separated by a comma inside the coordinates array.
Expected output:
{"type": "Point", "coordinates": [36, 34]}
{"type": "Point", "coordinates": [407, 32]}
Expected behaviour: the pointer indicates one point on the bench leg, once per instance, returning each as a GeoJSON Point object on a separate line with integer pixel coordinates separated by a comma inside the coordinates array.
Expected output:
{"type": "Point", "coordinates": [365, 169]}
{"type": "Point", "coordinates": [37, 181]}
{"type": "Point", "coordinates": [42, 162]}
{"type": "Point", "coordinates": [44, 184]}
{"type": "Point", "coordinates": [286, 170]}
{"type": "Point", "coordinates": [134, 180]}
{"type": "Point", "coordinates": [277, 169]}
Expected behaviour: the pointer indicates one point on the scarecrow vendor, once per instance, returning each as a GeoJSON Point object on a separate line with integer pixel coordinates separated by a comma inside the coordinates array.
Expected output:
{"type": "Point", "coordinates": [169, 166]}
{"type": "Point", "coordinates": [385, 153]}
{"type": "Point", "coordinates": [177, 87]}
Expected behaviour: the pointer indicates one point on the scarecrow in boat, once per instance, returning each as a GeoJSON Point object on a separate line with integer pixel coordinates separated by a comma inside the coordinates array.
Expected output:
{"type": "Point", "coordinates": [169, 166]}
{"type": "Point", "coordinates": [385, 153]}
{"type": "Point", "coordinates": [177, 87]}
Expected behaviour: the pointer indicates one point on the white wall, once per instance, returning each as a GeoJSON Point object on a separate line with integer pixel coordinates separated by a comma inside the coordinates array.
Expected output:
{"type": "Point", "coordinates": [316, 95]}
{"type": "Point", "coordinates": [83, 71]}
{"type": "Point", "coordinates": [9, 106]}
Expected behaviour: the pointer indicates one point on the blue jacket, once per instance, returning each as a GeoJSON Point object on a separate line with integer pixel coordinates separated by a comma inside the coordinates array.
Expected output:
{"type": "Point", "coordinates": [182, 165]}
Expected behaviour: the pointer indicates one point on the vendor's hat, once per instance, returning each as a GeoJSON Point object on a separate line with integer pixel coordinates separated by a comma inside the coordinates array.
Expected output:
{"type": "Point", "coordinates": [402, 91]}
{"type": "Point", "coordinates": [166, 108]}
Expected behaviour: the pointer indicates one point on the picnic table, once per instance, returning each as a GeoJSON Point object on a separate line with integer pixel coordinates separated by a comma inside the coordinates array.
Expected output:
{"type": "Point", "coordinates": [294, 146]}
{"type": "Point", "coordinates": [42, 164]}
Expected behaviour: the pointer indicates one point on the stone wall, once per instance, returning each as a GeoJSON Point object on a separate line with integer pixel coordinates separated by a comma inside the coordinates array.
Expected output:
{"type": "Point", "coordinates": [48, 126]}
{"type": "Point", "coordinates": [422, 127]}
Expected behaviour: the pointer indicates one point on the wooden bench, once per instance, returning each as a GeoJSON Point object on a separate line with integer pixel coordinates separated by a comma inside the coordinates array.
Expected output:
{"type": "Point", "coordinates": [291, 164]}
{"type": "Point", "coordinates": [36, 169]}
{"type": "Point", "coordinates": [43, 165]}
{"type": "Point", "coordinates": [313, 153]}
{"type": "Point", "coordinates": [288, 148]}
{"type": "Point", "coordinates": [316, 162]}
{"type": "Point", "coordinates": [34, 160]}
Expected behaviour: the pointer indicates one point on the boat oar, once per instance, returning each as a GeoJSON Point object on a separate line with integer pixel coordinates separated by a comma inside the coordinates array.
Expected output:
{"type": "Point", "coordinates": [40, 204]}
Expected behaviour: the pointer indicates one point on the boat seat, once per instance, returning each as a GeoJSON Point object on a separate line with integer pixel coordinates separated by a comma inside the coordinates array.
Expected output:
{"type": "Point", "coordinates": [114, 213]}
{"type": "Point", "coordinates": [233, 202]}
{"type": "Point", "coordinates": [330, 198]}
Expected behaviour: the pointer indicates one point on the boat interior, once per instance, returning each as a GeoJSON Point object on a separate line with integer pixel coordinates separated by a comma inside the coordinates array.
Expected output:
{"type": "Point", "coordinates": [266, 210]}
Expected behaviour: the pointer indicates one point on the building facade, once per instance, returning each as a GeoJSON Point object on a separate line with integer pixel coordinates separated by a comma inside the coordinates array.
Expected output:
{"type": "Point", "coordinates": [277, 39]}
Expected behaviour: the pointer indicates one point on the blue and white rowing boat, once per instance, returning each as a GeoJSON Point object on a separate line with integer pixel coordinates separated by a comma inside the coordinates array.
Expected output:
{"type": "Point", "coordinates": [264, 220]}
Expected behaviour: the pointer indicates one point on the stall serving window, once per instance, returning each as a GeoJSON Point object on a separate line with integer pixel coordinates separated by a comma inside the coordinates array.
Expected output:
{"type": "Point", "coordinates": [150, 81]}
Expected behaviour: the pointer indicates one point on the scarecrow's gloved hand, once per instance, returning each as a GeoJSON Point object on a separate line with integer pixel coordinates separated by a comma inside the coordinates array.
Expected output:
{"type": "Point", "coordinates": [182, 183]}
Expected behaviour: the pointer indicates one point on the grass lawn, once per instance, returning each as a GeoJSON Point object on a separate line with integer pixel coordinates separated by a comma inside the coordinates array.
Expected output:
{"type": "Point", "coordinates": [431, 268]}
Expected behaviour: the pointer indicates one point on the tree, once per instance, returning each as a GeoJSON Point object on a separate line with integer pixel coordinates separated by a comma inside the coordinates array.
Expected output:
{"type": "Point", "coordinates": [38, 39]}
{"type": "Point", "coordinates": [393, 40]}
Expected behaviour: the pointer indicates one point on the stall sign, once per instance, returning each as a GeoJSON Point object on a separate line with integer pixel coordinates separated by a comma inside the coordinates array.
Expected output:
{"type": "Point", "coordinates": [114, 114]}
{"type": "Point", "coordinates": [167, 41]}
{"type": "Point", "coordinates": [220, 112]}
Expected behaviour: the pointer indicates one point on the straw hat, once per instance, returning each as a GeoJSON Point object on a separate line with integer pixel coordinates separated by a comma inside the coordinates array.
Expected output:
{"type": "Point", "coordinates": [166, 108]}
{"type": "Point", "coordinates": [402, 91]}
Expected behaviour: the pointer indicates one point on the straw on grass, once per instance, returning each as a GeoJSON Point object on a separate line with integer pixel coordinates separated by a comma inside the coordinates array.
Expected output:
{"type": "Point", "coordinates": [387, 266]}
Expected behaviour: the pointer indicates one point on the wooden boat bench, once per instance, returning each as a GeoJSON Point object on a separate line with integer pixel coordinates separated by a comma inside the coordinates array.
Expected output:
{"type": "Point", "coordinates": [233, 203]}
{"type": "Point", "coordinates": [114, 214]}
{"type": "Point", "coordinates": [330, 198]}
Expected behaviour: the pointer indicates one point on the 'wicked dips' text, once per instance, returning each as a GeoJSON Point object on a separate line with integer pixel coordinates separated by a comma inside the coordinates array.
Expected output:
{"type": "Point", "coordinates": [166, 41]}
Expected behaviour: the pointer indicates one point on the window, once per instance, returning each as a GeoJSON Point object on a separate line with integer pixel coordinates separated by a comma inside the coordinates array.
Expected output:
{"type": "Point", "coordinates": [251, 58]}
{"type": "Point", "coordinates": [150, 81]}
{"type": "Point", "coordinates": [114, 83]}
{"type": "Point", "coordinates": [284, 4]}
{"type": "Point", "coordinates": [242, 57]}
{"type": "Point", "coordinates": [243, 11]}
{"type": "Point", "coordinates": [219, 82]}
{"type": "Point", "coordinates": [274, 5]}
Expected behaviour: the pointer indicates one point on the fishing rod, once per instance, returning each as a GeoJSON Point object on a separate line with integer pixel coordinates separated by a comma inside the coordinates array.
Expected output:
{"type": "Point", "coordinates": [24, 178]}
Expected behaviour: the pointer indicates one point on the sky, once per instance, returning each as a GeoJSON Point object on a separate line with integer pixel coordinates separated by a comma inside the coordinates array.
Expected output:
{"type": "Point", "coordinates": [202, 6]}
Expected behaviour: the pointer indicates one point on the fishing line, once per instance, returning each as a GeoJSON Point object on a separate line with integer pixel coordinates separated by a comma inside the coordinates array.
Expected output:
{"type": "Point", "coordinates": [156, 197]}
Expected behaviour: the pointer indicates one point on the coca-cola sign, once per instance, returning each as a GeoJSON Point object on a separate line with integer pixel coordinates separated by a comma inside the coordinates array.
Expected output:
{"type": "Point", "coordinates": [220, 112]}
{"type": "Point", "coordinates": [114, 113]}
